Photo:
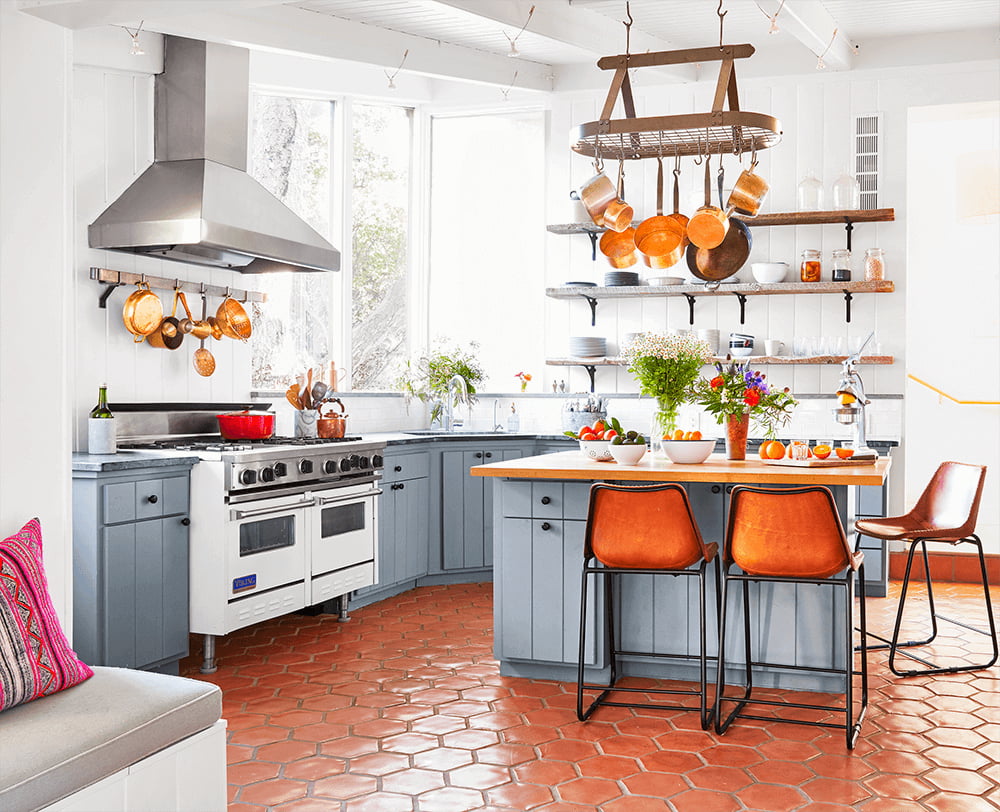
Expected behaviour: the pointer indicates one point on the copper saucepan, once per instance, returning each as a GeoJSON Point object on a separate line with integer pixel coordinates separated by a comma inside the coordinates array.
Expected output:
{"type": "Point", "coordinates": [142, 312]}
{"type": "Point", "coordinates": [618, 214]}
{"type": "Point", "coordinates": [596, 194]}
{"type": "Point", "coordinates": [619, 246]}
{"type": "Point", "coordinates": [659, 236]}
{"type": "Point", "coordinates": [721, 262]}
{"type": "Point", "coordinates": [708, 226]}
{"type": "Point", "coordinates": [749, 192]}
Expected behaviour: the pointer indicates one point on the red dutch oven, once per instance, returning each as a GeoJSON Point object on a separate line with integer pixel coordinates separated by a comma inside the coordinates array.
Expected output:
{"type": "Point", "coordinates": [246, 425]}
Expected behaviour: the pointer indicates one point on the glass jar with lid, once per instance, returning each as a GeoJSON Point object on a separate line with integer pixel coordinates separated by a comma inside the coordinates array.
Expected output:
{"type": "Point", "coordinates": [874, 265]}
{"type": "Point", "coordinates": [841, 271]}
{"type": "Point", "coordinates": [810, 192]}
{"type": "Point", "coordinates": [811, 267]}
{"type": "Point", "coordinates": [846, 192]}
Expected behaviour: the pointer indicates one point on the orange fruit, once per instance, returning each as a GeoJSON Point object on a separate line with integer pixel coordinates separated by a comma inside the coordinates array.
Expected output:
{"type": "Point", "coordinates": [762, 451]}
{"type": "Point", "coordinates": [586, 436]}
{"type": "Point", "coordinates": [678, 435]}
{"type": "Point", "coordinates": [695, 435]}
{"type": "Point", "coordinates": [599, 434]}
{"type": "Point", "coordinates": [598, 426]}
{"type": "Point", "coordinates": [774, 450]}
{"type": "Point", "coordinates": [845, 453]}
{"type": "Point", "coordinates": [822, 451]}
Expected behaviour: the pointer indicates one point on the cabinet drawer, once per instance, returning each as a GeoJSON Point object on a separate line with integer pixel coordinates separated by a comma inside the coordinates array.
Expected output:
{"type": "Point", "coordinates": [145, 499]}
{"type": "Point", "coordinates": [406, 466]}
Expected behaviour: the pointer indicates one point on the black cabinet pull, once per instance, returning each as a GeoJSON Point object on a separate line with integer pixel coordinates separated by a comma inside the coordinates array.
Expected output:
{"type": "Point", "coordinates": [153, 499]}
{"type": "Point", "coordinates": [479, 455]}
{"type": "Point", "coordinates": [546, 526]}
{"type": "Point", "coordinates": [716, 489]}
{"type": "Point", "coordinates": [729, 488]}
{"type": "Point", "coordinates": [489, 455]}
{"type": "Point", "coordinates": [402, 485]}
{"type": "Point", "coordinates": [546, 500]}
{"type": "Point", "coordinates": [397, 468]}
{"type": "Point", "coordinates": [185, 522]}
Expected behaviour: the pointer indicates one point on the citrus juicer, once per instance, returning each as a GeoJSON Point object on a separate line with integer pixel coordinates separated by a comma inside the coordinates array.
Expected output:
{"type": "Point", "coordinates": [852, 399]}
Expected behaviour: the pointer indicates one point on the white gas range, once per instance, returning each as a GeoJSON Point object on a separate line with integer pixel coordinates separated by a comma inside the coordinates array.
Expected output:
{"type": "Point", "coordinates": [276, 525]}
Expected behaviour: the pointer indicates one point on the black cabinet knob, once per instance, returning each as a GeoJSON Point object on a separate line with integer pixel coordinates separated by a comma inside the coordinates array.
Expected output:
{"type": "Point", "coordinates": [397, 468]}
{"type": "Point", "coordinates": [153, 499]}
{"type": "Point", "coordinates": [546, 500]}
{"type": "Point", "coordinates": [716, 489]}
{"type": "Point", "coordinates": [185, 522]}
{"type": "Point", "coordinates": [479, 455]}
{"type": "Point", "coordinates": [488, 455]}
{"type": "Point", "coordinates": [546, 526]}
{"type": "Point", "coordinates": [729, 488]}
{"type": "Point", "coordinates": [402, 485]}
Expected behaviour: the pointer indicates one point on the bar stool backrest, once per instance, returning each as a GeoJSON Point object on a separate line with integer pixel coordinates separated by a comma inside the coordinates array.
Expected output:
{"type": "Point", "coordinates": [950, 502]}
{"type": "Point", "coordinates": [792, 533]}
{"type": "Point", "coordinates": [643, 527]}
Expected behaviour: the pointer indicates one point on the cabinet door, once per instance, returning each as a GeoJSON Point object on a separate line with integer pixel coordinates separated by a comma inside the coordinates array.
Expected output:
{"type": "Point", "coordinates": [118, 596]}
{"type": "Point", "coordinates": [388, 519]}
{"type": "Point", "coordinates": [412, 529]}
{"type": "Point", "coordinates": [463, 504]}
{"type": "Point", "coordinates": [175, 588]}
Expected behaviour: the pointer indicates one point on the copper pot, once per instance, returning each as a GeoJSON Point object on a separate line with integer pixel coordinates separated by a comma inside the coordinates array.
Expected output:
{"type": "Point", "coordinates": [618, 214]}
{"type": "Point", "coordinates": [168, 335]}
{"type": "Point", "coordinates": [748, 193]}
{"type": "Point", "coordinates": [659, 236]}
{"type": "Point", "coordinates": [708, 226]}
{"type": "Point", "coordinates": [721, 262]}
{"type": "Point", "coordinates": [596, 194]}
{"type": "Point", "coordinates": [142, 312]}
{"type": "Point", "coordinates": [619, 248]}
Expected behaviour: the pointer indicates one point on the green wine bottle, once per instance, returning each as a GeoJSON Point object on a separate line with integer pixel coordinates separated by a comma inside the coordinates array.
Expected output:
{"type": "Point", "coordinates": [101, 410]}
{"type": "Point", "coordinates": [101, 435]}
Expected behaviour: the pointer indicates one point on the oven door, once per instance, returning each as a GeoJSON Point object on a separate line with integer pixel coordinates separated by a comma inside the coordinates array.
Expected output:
{"type": "Point", "coordinates": [267, 542]}
{"type": "Point", "coordinates": [344, 526]}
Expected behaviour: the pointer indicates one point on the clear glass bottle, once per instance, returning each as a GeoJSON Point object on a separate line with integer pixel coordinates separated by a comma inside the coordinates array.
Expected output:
{"type": "Point", "coordinates": [874, 265]}
{"type": "Point", "coordinates": [101, 437]}
{"type": "Point", "coordinates": [846, 192]}
{"type": "Point", "coordinates": [810, 192]}
{"type": "Point", "coordinates": [841, 271]}
{"type": "Point", "coordinates": [811, 268]}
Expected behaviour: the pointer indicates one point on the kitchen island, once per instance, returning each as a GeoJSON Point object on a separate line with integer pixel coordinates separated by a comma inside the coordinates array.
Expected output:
{"type": "Point", "coordinates": [540, 511]}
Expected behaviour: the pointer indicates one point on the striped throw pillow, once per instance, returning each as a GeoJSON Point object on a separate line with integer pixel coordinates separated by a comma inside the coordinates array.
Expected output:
{"type": "Point", "coordinates": [35, 657]}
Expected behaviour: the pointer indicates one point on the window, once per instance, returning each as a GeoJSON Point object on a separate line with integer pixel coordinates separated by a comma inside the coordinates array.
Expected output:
{"type": "Point", "coordinates": [487, 240]}
{"type": "Point", "coordinates": [302, 325]}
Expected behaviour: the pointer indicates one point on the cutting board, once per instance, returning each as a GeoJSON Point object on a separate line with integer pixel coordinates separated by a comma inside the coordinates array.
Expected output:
{"type": "Point", "coordinates": [812, 462]}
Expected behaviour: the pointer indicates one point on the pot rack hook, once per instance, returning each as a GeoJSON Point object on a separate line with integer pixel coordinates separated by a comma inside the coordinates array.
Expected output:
{"type": "Point", "coordinates": [699, 160]}
{"type": "Point", "coordinates": [677, 163]}
{"type": "Point", "coordinates": [628, 29]}
{"type": "Point", "coordinates": [722, 14]}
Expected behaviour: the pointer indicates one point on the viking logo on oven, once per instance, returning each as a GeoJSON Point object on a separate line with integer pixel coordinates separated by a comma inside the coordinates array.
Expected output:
{"type": "Point", "coordinates": [244, 582]}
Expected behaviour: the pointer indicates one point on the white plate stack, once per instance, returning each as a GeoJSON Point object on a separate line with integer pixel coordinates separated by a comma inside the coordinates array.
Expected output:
{"type": "Point", "coordinates": [710, 337]}
{"type": "Point", "coordinates": [587, 346]}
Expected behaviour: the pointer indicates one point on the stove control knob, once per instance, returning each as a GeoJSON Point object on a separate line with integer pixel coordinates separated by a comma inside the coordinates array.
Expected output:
{"type": "Point", "coordinates": [305, 466]}
{"type": "Point", "coordinates": [364, 462]}
{"type": "Point", "coordinates": [248, 477]}
{"type": "Point", "coordinates": [267, 474]}
{"type": "Point", "coordinates": [345, 464]}
{"type": "Point", "coordinates": [377, 461]}
{"type": "Point", "coordinates": [330, 467]}
{"type": "Point", "coordinates": [280, 469]}
{"type": "Point", "coordinates": [355, 461]}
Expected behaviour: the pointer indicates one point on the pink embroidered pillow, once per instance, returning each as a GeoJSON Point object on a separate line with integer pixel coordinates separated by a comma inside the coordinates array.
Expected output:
{"type": "Point", "coordinates": [35, 657]}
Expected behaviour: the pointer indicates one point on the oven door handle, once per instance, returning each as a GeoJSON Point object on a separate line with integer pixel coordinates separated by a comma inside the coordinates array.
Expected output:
{"type": "Point", "coordinates": [326, 500]}
{"type": "Point", "coordinates": [248, 514]}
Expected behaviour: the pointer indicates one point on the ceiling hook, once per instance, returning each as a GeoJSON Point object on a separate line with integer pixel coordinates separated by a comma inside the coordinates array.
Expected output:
{"type": "Point", "coordinates": [628, 30]}
{"type": "Point", "coordinates": [722, 15]}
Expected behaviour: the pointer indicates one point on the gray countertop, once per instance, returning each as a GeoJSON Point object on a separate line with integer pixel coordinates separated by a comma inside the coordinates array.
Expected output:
{"type": "Point", "coordinates": [125, 460]}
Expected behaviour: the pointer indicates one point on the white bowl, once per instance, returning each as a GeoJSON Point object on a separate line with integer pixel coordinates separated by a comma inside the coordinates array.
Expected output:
{"type": "Point", "coordinates": [598, 450]}
{"type": "Point", "coordinates": [687, 452]}
{"type": "Point", "coordinates": [741, 352]}
{"type": "Point", "coordinates": [769, 273]}
{"type": "Point", "coordinates": [628, 454]}
{"type": "Point", "coordinates": [663, 281]}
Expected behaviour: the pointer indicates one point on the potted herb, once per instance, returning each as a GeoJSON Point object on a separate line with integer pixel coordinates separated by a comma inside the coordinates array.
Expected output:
{"type": "Point", "coordinates": [429, 376]}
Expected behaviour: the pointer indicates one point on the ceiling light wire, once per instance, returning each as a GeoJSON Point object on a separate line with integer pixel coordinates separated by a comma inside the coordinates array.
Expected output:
{"type": "Point", "coordinates": [392, 77]}
{"type": "Point", "coordinates": [509, 87]}
{"type": "Point", "coordinates": [136, 47]}
{"type": "Point", "coordinates": [820, 64]}
{"type": "Point", "coordinates": [772, 17]}
{"type": "Point", "coordinates": [513, 52]}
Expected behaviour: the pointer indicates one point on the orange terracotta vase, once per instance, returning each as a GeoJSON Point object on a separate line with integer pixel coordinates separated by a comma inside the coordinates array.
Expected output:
{"type": "Point", "coordinates": [736, 436]}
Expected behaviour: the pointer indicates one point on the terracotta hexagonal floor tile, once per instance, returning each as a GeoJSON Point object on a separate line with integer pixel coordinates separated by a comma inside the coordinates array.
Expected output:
{"type": "Point", "coordinates": [955, 802]}
{"type": "Point", "coordinates": [519, 796]}
{"type": "Point", "coordinates": [494, 720]}
{"type": "Point", "coordinates": [345, 786]}
{"type": "Point", "coordinates": [891, 805]}
{"type": "Point", "coordinates": [789, 773]}
{"type": "Point", "coordinates": [840, 766]}
{"type": "Point", "coordinates": [959, 781]}
{"type": "Point", "coordinates": [379, 728]}
{"type": "Point", "coordinates": [788, 750]}
{"type": "Point", "coordinates": [658, 785]}
{"type": "Point", "coordinates": [772, 798]}
{"type": "Point", "coordinates": [898, 786]}
{"type": "Point", "coordinates": [956, 737]}
{"type": "Point", "coordinates": [377, 802]}
{"type": "Point", "coordinates": [250, 772]}
{"type": "Point", "coordinates": [274, 792]}
{"type": "Point", "coordinates": [727, 755]}
{"type": "Point", "coordinates": [958, 757]}
{"type": "Point", "coordinates": [701, 800]}
{"type": "Point", "coordinates": [835, 791]}
{"type": "Point", "coordinates": [730, 779]}
{"type": "Point", "coordinates": [286, 751]}
{"type": "Point", "coordinates": [588, 790]}
{"type": "Point", "coordinates": [413, 781]}
{"type": "Point", "coordinates": [505, 755]}
{"type": "Point", "coordinates": [470, 739]}
{"type": "Point", "coordinates": [667, 761]}
{"type": "Point", "coordinates": [314, 768]}
{"type": "Point", "coordinates": [635, 804]}
{"type": "Point", "coordinates": [692, 741]}
{"type": "Point", "coordinates": [894, 761]}
{"type": "Point", "coordinates": [529, 734]}
{"type": "Point", "coordinates": [409, 743]}
{"type": "Point", "coordinates": [546, 773]}
{"type": "Point", "coordinates": [603, 766]}
{"type": "Point", "coordinates": [442, 758]}
{"type": "Point", "coordinates": [624, 745]}
{"type": "Point", "coordinates": [255, 736]}
{"type": "Point", "coordinates": [437, 725]}
{"type": "Point", "coordinates": [322, 732]}
{"type": "Point", "coordinates": [450, 799]}
{"type": "Point", "coordinates": [479, 776]}
{"type": "Point", "coordinates": [567, 750]}
{"type": "Point", "coordinates": [380, 763]}
{"type": "Point", "coordinates": [349, 747]}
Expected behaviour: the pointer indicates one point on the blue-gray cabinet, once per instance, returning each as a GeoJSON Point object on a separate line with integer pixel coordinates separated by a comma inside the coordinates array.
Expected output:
{"type": "Point", "coordinates": [467, 503]}
{"type": "Point", "coordinates": [130, 564]}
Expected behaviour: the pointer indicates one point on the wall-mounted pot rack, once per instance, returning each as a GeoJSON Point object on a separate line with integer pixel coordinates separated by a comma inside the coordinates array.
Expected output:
{"type": "Point", "coordinates": [731, 131]}
{"type": "Point", "coordinates": [114, 279]}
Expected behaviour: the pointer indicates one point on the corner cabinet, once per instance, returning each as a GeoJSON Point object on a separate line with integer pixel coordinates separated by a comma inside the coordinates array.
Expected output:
{"type": "Point", "coordinates": [130, 560]}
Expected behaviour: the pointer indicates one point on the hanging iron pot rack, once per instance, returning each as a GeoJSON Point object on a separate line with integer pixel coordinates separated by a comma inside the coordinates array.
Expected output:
{"type": "Point", "coordinates": [719, 131]}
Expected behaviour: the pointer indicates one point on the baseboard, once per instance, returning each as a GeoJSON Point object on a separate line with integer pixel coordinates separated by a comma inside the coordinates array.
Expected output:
{"type": "Point", "coordinates": [946, 566]}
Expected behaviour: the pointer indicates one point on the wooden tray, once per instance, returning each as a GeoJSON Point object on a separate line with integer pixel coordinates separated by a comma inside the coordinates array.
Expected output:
{"type": "Point", "coordinates": [812, 462]}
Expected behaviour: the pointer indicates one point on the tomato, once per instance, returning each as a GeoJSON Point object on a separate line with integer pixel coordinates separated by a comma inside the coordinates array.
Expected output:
{"type": "Point", "coordinates": [598, 426]}
{"type": "Point", "coordinates": [585, 430]}
{"type": "Point", "coordinates": [587, 436]}
{"type": "Point", "coordinates": [610, 434]}
{"type": "Point", "coordinates": [600, 434]}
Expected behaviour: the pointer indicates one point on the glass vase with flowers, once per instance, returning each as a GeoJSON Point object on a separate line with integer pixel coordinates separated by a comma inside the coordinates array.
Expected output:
{"type": "Point", "coordinates": [737, 395]}
{"type": "Point", "coordinates": [666, 366]}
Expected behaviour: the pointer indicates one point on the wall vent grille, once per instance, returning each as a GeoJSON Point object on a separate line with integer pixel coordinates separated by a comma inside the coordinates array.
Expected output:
{"type": "Point", "coordinates": [867, 161]}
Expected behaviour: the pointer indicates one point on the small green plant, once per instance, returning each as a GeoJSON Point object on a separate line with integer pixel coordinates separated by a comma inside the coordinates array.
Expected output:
{"type": "Point", "coordinates": [428, 376]}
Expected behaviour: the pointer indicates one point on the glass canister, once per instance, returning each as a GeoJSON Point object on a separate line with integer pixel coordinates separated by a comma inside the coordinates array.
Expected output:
{"type": "Point", "coordinates": [874, 265]}
{"type": "Point", "coordinates": [811, 267]}
{"type": "Point", "coordinates": [810, 192]}
{"type": "Point", "coordinates": [846, 192]}
{"type": "Point", "coordinates": [841, 271]}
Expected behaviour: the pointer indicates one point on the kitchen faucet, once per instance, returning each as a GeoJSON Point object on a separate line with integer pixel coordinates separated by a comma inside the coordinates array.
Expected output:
{"type": "Point", "coordinates": [457, 385]}
{"type": "Point", "coordinates": [496, 423]}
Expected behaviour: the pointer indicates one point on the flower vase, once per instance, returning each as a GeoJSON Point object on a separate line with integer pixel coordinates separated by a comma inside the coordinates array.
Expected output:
{"type": "Point", "coordinates": [664, 420]}
{"type": "Point", "coordinates": [736, 436]}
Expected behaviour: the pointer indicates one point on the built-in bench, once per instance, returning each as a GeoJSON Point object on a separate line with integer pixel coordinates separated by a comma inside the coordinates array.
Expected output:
{"type": "Point", "coordinates": [122, 741]}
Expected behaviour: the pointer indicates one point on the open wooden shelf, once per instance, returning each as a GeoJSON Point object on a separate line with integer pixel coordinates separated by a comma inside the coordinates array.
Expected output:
{"type": "Point", "coordinates": [745, 288]}
{"type": "Point", "coordinates": [613, 361]}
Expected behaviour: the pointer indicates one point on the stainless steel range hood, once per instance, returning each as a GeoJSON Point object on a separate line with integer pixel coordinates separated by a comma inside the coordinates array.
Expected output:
{"type": "Point", "coordinates": [196, 203]}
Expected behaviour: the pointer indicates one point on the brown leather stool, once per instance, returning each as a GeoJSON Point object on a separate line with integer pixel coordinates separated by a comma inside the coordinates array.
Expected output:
{"type": "Point", "coordinates": [794, 536]}
{"type": "Point", "coordinates": [946, 511]}
{"type": "Point", "coordinates": [641, 530]}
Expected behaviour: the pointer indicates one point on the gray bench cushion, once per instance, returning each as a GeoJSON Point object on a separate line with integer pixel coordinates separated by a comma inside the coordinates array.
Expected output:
{"type": "Point", "coordinates": [56, 745]}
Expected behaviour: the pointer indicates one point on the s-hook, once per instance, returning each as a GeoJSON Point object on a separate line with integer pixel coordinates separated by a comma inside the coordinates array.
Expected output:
{"type": "Point", "coordinates": [722, 15]}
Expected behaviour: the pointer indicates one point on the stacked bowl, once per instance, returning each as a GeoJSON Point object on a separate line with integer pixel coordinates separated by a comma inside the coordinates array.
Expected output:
{"type": "Point", "coordinates": [620, 278]}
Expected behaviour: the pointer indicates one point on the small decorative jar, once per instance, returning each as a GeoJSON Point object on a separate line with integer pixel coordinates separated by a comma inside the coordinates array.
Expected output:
{"type": "Point", "coordinates": [874, 265]}
{"type": "Point", "coordinates": [841, 265]}
{"type": "Point", "coordinates": [811, 267]}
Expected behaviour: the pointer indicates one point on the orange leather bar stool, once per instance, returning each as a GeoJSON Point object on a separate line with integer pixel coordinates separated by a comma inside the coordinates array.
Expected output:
{"type": "Point", "coordinates": [946, 511]}
{"type": "Point", "coordinates": [791, 536]}
{"type": "Point", "coordinates": [649, 530]}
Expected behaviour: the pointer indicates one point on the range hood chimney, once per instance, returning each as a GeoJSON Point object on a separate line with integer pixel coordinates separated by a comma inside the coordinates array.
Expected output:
{"type": "Point", "coordinates": [196, 203]}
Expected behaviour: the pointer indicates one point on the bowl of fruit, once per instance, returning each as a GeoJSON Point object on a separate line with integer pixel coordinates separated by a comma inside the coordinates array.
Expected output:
{"type": "Point", "coordinates": [627, 447]}
{"type": "Point", "coordinates": [687, 447]}
{"type": "Point", "coordinates": [594, 441]}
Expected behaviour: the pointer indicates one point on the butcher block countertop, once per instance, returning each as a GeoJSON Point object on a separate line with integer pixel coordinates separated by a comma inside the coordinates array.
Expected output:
{"type": "Point", "coordinates": [570, 465]}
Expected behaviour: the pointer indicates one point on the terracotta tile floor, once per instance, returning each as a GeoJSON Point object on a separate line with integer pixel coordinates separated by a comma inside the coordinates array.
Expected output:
{"type": "Point", "coordinates": [403, 709]}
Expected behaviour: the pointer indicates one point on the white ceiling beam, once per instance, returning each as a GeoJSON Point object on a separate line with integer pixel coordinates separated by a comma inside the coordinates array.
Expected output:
{"type": "Point", "coordinates": [579, 27]}
{"type": "Point", "coordinates": [812, 25]}
{"type": "Point", "coordinates": [77, 14]}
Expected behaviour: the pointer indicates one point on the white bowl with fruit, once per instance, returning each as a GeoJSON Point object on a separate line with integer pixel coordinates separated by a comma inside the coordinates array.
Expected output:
{"type": "Point", "coordinates": [594, 442]}
{"type": "Point", "coordinates": [687, 447]}
{"type": "Point", "coordinates": [627, 447]}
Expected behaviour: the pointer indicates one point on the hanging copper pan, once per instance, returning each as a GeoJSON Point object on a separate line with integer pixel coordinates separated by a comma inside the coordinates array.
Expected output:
{"type": "Point", "coordinates": [659, 236]}
{"type": "Point", "coordinates": [233, 320]}
{"type": "Point", "coordinates": [721, 262]}
{"type": "Point", "coordinates": [168, 335]}
{"type": "Point", "coordinates": [142, 312]}
{"type": "Point", "coordinates": [708, 226]}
